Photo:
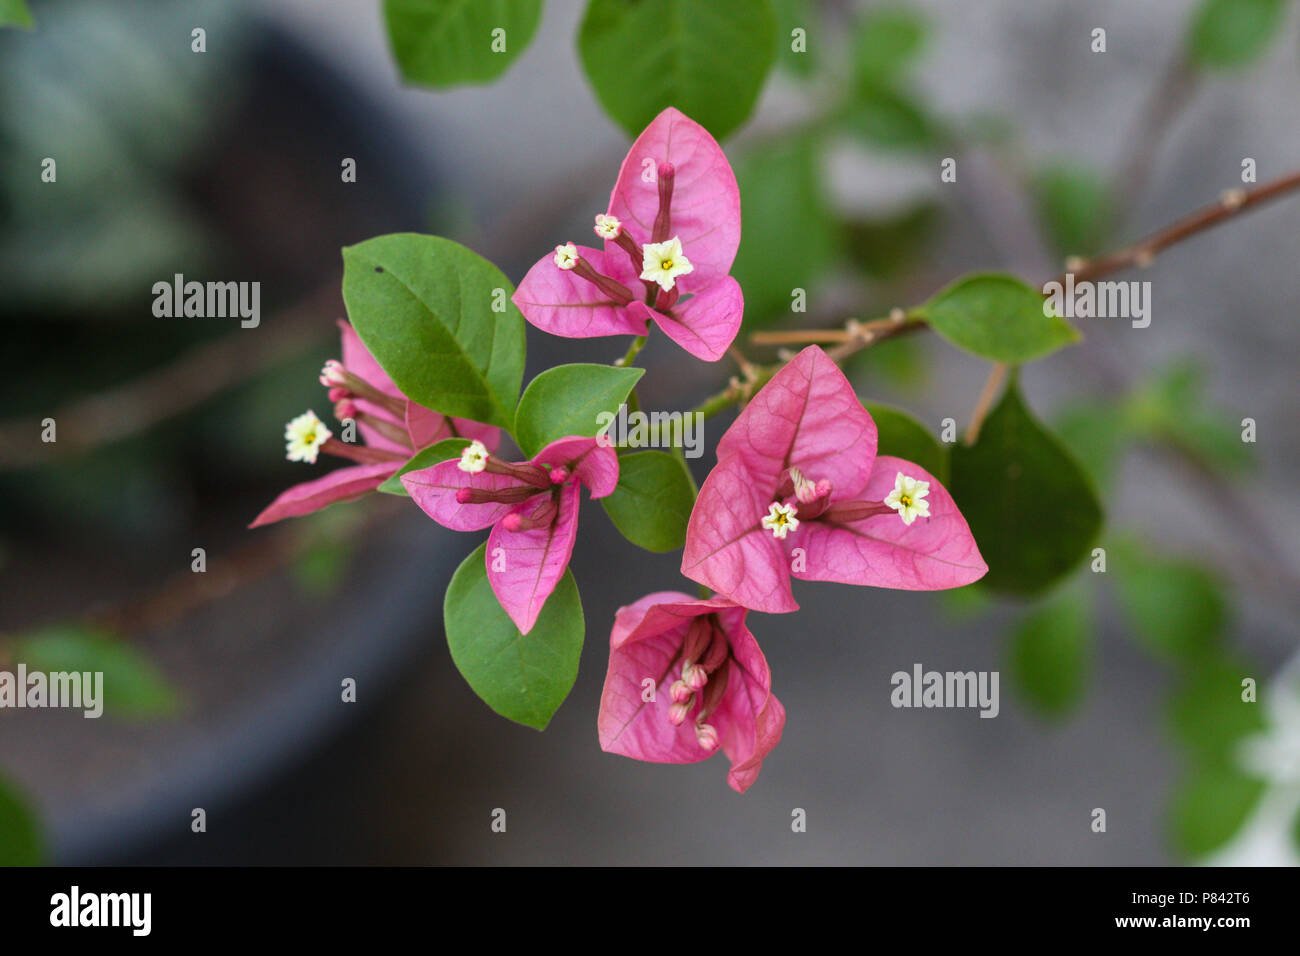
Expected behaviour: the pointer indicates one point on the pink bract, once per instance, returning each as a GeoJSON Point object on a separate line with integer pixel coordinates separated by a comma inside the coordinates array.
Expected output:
{"type": "Point", "coordinates": [703, 212]}
{"type": "Point", "coordinates": [651, 639]}
{"type": "Point", "coordinates": [807, 418]}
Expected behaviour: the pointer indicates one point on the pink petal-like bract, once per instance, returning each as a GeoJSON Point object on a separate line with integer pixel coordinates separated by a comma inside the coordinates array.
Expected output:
{"type": "Point", "coordinates": [342, 484]}
{"type": "Point", "coordinates": [705, 207]}
{"type": "Point", "coordinates": [434, 490]}
{"type": "Point", "coordinates": [559, 302]}
{"type": "Point", "coordinates": [931, 554]}
{"type": "Point", "coordinates": [525, 566]}
{"type": "Point", "coordinates": [358, 360]}
{"type": "Point", "coordinates": [427, 427]}
{"type": "Point", "coordinates": [647, 642]}
{"type": "Point", "coordinates": [808, 416]}
{"type": "Point", "coordinates": [705, 324]}
{"type": "Point", "coordinates": [593, 464]}
{"type": "Point", "coordinates": [726, 547]}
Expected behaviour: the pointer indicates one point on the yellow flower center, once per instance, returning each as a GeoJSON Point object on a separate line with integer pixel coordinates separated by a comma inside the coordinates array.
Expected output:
{"type": "Point", "coordinates": [905, 500]}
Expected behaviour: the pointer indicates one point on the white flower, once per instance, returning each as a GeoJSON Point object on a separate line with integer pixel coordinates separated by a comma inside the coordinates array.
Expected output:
{"type": "Point", "coordinates": [908, 498]}
{"type": "Point", "coordinates": [663, 262]}
{"type": "Point", "coordinates": [566, 256]}
{"type": "Point", "coordinates": [474, 458]}
{"type": "Point", "coordinates": [303, 437]}
{"type": "Point", "coordinates": [780, 519]}
{"type": "Point", "coordinates": [608, 227]}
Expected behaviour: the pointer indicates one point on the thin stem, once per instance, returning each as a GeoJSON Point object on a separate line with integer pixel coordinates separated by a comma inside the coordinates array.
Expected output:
{"type": "Point", "coordinates": [992, 385]}
{"type": "Point", "coordinates": [632, 352]}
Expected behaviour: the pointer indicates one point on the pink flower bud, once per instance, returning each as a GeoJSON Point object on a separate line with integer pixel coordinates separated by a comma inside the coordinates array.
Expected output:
{"type": "Point", "coordinates": [677, 713]}
{"type": "Point", "coordinates": [695, 676]}
{"type": "Point", "coordinates": [512, 521]}
{"type": "Point", "coordinates": [680, 692]}
{"type": "Point", "coordinates": [559, 475]}
{"type": "Point", "coordinates": [707, 735]}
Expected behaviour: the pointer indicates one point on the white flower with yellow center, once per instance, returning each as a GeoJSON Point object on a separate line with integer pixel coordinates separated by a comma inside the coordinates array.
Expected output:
{"type": "Point", "coordinates": [566, 256]}
{"type": "Point", "coordinates": [303, 437]}
{"type": "Point", "coordinates": [780, 519]}
{"type": "Point", "coordinates": [608, 227]}
{"type": "Point", "coordinates": [663, 262]}
{"type": "Point", "coordinates": [474, 458]}
{"type": "Point", "coordinates": [908, 498]}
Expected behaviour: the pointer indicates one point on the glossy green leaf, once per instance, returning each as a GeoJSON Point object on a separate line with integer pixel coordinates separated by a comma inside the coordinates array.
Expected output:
{"type": "Point", "coordinates": [707, 59]}
{"type": "Point", "coordinates": [439, 319]}
{"type": "Point", "coordinates": [132, 686]}
{"type": "Point", "coordinates": [444, 450]}
{"type": "Point", "coordinates": [1049, 655]}
{"type": "Point", "coordinates": [1030, 505]}
{"type": "Point", "coordinates": [522, 677]}
{"type": "Point", "coordinates": [570, 400]}
{"type": "Point", "coordinates": [1210, 807]}
{"type": "Point", "coordinates": [1234, 33]}
{"type": "Point", "coordinates": [1176, 608]}
{"type": "Point", "coordinates": [21, 840]}
{"type": "Point", "coordinates": [444, 43]}
{"type": "Point", "coordinates": [901, 435]}
{"type": "Point", "coordinates": [790, 238]}
{"type": "Point", "coordinates": [997, 317]}
{"type": "Point", "coordinates": [653, 501]}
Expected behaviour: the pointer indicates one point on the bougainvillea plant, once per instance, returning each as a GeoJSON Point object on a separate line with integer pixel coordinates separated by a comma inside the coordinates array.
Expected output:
{"type": "Point", "coordinates": [798, 490]}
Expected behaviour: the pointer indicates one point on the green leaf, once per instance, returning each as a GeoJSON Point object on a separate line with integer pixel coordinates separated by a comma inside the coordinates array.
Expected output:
{"type": "Point", "coordinates": [443, 43]}
{"type": "Point", "coordinates": [21, 841]}
{"type": "Point", "coordinates": [891, 119]}
{"type": "Point", "coordinates": [1030, 505]}
{"type": "Point", "coordinates": [14, 13]}
{"type": "Point", "coordinates": [427, 309]}
{"type": "Point", "coordinates": [1207, 714]}
{"type": "Point", "coordinates": [133, 687]}
{"type": "Point", "coordinates": [653, 501]}
{"type": "Point", "coordinates": [1074, 206]}
{"type": "Point", "coordinates": [901, 435]}
{"type": "Point", "coordinates": [790, 238]}
{"type": "Point", "coordinates": [1210, 807]}
{"type": "Point", "coordinates": [522, 677]}
{"type": "Point", "coordinates": [888, 40]}
{"type": "Point", "coordinates": [1176, 608]}
{"type": "Point", "coordinates": [997, 317]}
{"type": "Point", "coordinates": [1049, 655]}
{"type": "Point", "coordinates": [707, 59]}
{"type": "Point", "coordinates": [569, 400]}
{"type": "Point", "coordinates": [1233, 33]}
{"type": "Point", "coordinates": [444, 450]}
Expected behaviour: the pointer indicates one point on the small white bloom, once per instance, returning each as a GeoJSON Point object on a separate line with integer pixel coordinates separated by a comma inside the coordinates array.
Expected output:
{"type": "Point", "coordinates": [566, 256]}
{"type": "Point", "coordinates": [608, 227]}
{"type": "Point", "coordinates": [663, 262]}
{"type": "Point", "coordinates": [908, 498]}
{"type": "Point", "coordinates": [303, 437]}
{"type": "Point", "coordinates": [780, 519]}
{"type": "Point", "coordinates": [474, 458]}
